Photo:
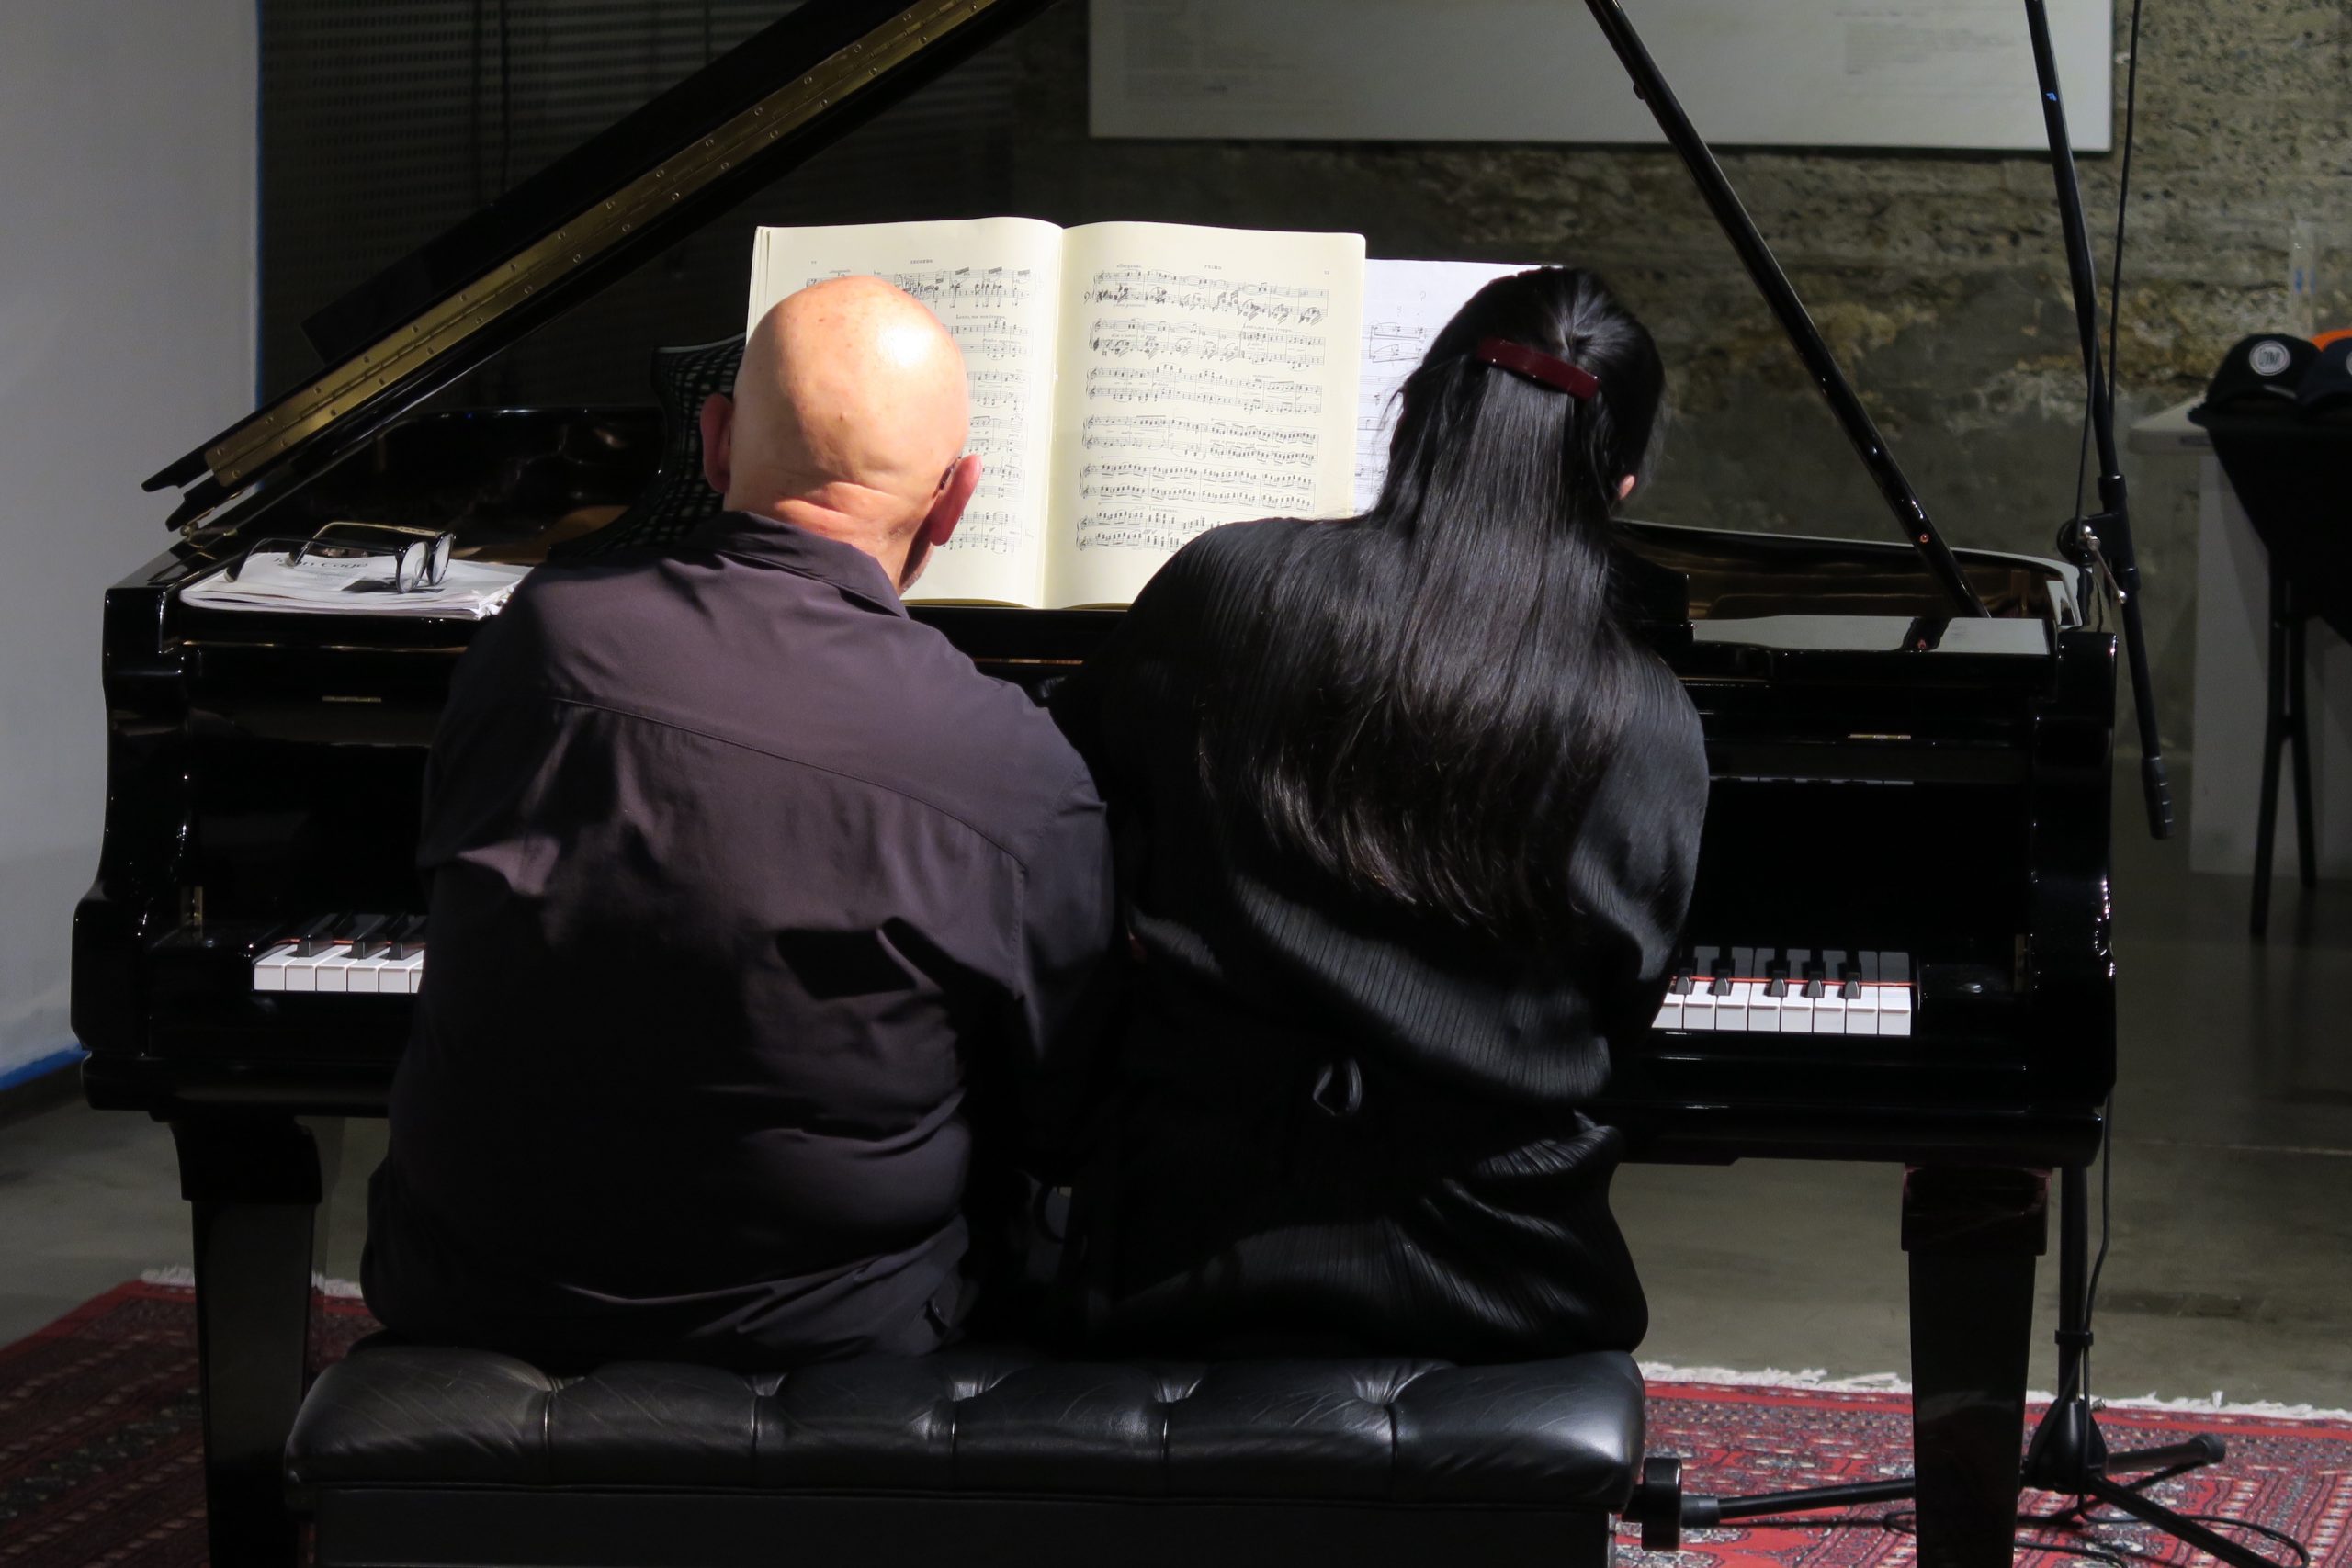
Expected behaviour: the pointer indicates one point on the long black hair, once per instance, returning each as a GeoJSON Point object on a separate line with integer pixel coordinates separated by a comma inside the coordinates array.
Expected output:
{"type": "Point", "coordinates": [1425, 695]}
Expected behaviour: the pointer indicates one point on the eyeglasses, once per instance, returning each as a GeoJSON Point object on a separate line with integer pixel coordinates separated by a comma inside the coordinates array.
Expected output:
{"type": "Point", "coordinates": [419, 561]}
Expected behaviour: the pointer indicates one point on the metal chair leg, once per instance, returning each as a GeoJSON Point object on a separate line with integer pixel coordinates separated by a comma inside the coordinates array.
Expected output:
{"type": "Point", "coordinates": [2274, 737]}
{"type": "Point", "coordinates": [2299, 735]}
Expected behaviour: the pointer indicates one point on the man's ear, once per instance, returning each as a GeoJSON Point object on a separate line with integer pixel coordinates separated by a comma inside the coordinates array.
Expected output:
{"type": "Point", "coordinates": [1625, 487]}
{"type": "Point", "coordinates": [947, 507]}
{"type": "Point", "coordinates": [938, 524]}
{"type": "Point", "coordinates": [718, 441]}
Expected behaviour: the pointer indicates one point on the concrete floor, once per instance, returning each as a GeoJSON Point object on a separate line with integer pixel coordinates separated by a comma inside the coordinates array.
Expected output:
{"type": "Point", "coordinates": [2230, 1271]}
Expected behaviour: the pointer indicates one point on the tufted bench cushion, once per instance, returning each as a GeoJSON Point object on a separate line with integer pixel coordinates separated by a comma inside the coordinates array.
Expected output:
{"type": "Point", "coordinates": [411, 1455]}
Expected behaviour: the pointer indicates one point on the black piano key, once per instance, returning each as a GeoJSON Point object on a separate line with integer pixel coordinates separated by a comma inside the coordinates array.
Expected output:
{"type": "Point", "coordinates": [408, 938]}
{"type": "Point", "coordinates": [370, 934]}
{"type": "Point", "coordinates": [1896, 968]}
{"type": "Point", "coordinates": [318, 936]}
{"type": "Point", "coordinates": [1838, 970]}
{"type": "Point", "coordinates": [1774, 966]}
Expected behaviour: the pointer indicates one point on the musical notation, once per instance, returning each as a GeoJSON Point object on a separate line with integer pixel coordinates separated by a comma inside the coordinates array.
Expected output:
{"type": "Point", "coordinates": [1121, 338]}
{"type": "Point", "coordinates": [1223, 439]}
{"type": "Point", "coordinates": [1396, 342]}
{"type": "Point", "coordinates": [1194, 294]}
{"type": "Point", "coordinates": [1154, 529]}
{"type": "Point", "coordinates": [994, 391]}
{"type": "Point", "coordinates": [1192, 484]}
{"type": "Point", "coordinates": [1204, 389]}
{"type": "Point", "coordinates": [965, 289]}
{"type": "Point", "coordinates": [1204, 398]}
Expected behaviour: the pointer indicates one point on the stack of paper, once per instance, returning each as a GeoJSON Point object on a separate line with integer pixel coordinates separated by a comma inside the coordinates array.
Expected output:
{"type": "Point", "coordinates": [355, 585]}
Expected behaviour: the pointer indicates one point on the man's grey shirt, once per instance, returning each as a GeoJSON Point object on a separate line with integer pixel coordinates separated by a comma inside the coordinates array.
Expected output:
{"type": "Point", "coordinates": [754, 907]}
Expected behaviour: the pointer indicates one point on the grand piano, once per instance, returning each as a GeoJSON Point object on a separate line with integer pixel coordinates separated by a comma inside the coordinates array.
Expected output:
{"type": "Point", "coordinates": [1898, 950]}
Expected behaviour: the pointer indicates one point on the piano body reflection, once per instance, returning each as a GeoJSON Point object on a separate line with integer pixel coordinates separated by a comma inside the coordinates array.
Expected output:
{"type": "Point", "coordinates": [1897, 947]}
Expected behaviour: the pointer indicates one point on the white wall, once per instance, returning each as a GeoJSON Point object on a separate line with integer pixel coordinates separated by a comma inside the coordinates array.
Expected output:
{"type": "Point", "coordinates": [127, 283]}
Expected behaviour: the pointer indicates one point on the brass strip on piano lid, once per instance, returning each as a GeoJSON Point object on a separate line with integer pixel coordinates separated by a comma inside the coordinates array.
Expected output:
{"type": "Point", "coordinates": [392, 359]}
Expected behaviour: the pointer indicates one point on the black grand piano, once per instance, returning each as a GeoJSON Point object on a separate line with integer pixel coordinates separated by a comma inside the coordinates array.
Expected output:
{"type": "Point", "coordinates": [1898, 950]}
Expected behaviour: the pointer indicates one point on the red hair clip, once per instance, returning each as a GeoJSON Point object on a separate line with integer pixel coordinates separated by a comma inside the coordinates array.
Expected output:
{"type": "Point", "coordinates": [1536, 366]}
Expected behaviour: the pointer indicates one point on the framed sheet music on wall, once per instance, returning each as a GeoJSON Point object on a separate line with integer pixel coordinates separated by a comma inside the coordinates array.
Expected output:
{"type": "Point", "coordinates": [1950, 75]}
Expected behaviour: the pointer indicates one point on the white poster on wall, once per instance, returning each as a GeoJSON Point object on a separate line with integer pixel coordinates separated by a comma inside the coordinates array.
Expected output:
{"type": "Point", "coordinates": [1897, 74]}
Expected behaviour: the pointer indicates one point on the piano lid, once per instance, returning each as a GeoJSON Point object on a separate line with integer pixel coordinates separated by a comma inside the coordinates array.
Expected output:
{"type": "Point", "coordinates": [576, 227]}
{"type": "Point", "coordinates": [689, 156]}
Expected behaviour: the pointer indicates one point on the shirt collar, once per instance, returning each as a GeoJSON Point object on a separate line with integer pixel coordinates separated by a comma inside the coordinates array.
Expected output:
{"type": "Point", "coordinates": [794, 549]}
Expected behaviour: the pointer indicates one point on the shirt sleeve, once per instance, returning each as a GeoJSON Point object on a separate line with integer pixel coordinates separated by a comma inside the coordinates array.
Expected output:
{"type": "Point", "coordinates": [1638, 854]}
{"type": "Point", "coordinates": [1070, 966]}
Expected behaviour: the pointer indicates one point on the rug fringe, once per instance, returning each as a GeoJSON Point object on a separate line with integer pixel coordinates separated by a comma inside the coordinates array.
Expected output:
{"type": "Point", "coordinates": [1816, 1379]}
{"type": "Point", "coordinates": [1811, 1379]}
{"type": "Point", "coordinates": [184, 1278]}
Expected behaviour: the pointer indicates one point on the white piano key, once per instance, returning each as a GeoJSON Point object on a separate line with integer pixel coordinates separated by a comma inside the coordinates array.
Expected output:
{"type": "Point", "coordinates": [1894, 1010]}
{"type": "Point", "coordinates": [269, 969]}
{"type": "Point", "coordinates": [1829, 1012]}
{"type": "Point", "coordinates": [404, 975]}
{"type": "Point", "coordinates": [1796, 1010]}
{"type": "Point", "coordinates": [1731, 1011]}
{"type": "Point", "coordinates": [367, 974]}
{"type": "Point", "coordinates": [303, 973]}
{"type": "Point", "coordinates": [332, 973]}
{"type": "Point", "coordinates": [1669, 1013]}
{"type": "Point", "coordinates": [1698, 1006]}
{"type": "Point", "coordinates": [1862, 1013]}
{"type": "Point", "coordinates": [1763, 1009]}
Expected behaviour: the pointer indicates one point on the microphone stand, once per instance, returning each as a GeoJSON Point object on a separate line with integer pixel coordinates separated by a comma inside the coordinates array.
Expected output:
{"type": "Point", "coordinates": [2100, 542]}
{"type": "Point", "coordinates": [2067, 1454]}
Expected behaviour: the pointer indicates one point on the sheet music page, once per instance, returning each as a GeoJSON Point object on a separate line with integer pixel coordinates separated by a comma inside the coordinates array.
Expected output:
{"type": "Point", "coordinates": [1208, 376]}
{"type": "Point", "coordinates": [995, 282]}
{"type": "Point", "coordinates": [1405, 305]}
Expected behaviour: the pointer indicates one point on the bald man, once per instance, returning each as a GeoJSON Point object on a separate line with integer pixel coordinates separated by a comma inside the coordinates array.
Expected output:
{"type": "Point", "coordinates": [755, 911]}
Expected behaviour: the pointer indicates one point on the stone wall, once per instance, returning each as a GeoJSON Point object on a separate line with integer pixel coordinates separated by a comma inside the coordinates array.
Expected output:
{"type": "Point", "coordinates": [1938, 278]}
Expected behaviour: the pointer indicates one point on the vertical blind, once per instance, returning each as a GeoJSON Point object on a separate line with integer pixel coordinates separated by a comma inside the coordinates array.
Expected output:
{"type": "Point", "coordinates": [384, 123]}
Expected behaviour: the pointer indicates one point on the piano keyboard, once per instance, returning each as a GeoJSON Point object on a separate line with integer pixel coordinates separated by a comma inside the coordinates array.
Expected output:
{"type": "Point", "coordinates": [1799, 990]}
{"type": "Point", "coordinates": [365, 953]}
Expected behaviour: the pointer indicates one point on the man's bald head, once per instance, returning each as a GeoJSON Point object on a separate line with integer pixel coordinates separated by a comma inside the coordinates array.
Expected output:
{"type": "Point", "coordinates": [849, 418]}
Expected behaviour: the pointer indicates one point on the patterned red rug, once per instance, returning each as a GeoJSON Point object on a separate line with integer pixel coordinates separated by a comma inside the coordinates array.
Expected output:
{"type": "Point", "coordinates": [100, 1457]}
{"type": "Point", "coordinates": [2289, 1474]}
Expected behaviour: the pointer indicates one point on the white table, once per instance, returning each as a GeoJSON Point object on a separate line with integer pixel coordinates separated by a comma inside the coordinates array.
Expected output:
{"type": "Point", "coordinates": [2233, 652]}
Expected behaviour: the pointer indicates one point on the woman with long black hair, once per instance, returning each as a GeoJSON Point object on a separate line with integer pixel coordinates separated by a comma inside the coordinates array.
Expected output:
{"type": "Point", "coordinates": [1407, 821]}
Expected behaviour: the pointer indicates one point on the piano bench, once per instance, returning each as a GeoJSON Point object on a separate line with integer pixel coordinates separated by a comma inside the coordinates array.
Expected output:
{"type": "Point", "coordinates": [424, 1458]}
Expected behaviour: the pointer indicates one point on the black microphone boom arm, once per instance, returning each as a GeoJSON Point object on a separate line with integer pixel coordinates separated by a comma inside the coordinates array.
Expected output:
{"type": "Point", "coordinates": [2105, 538]}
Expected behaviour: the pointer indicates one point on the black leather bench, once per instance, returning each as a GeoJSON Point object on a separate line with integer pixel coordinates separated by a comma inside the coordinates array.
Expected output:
{"type": "Point", "coordinates": [404, 1455]}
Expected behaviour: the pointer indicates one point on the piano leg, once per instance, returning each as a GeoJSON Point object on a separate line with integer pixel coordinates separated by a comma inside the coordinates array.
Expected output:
{"type": "Point", "coordinates": [251, 1183]}
{"type": "Point", "coordinates": [1973, 1235]}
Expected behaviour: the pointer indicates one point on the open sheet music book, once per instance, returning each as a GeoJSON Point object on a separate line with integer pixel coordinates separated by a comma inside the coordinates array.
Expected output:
{"type": "Point", "coordinates": [1135, 384]}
